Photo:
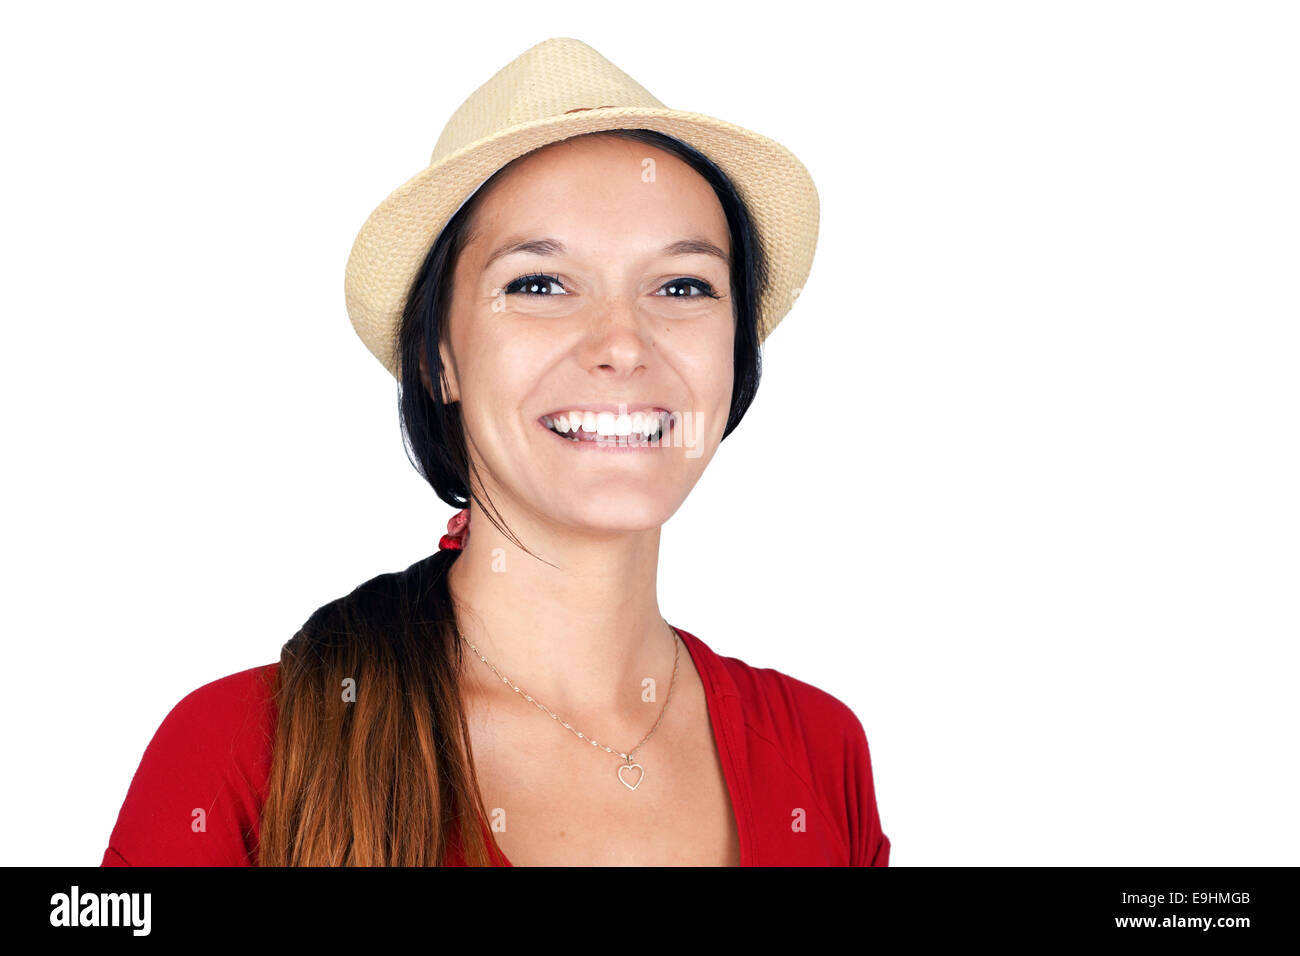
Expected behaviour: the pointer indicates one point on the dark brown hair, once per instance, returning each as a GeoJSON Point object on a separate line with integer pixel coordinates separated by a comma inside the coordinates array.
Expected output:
{"type": "Point", "coordinates": [388, 778]}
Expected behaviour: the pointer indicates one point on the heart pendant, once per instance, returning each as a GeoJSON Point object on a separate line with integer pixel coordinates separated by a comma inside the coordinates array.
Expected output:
{"type": "Point", "coordinates": [631, 766]}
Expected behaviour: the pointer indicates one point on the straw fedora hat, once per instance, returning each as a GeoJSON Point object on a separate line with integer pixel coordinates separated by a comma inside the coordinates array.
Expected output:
{"type": "Point", "coordinates": [560, 88]}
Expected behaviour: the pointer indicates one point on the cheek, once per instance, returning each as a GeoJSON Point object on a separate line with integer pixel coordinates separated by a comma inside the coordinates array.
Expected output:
{"type": "Point", "coordinates": [482, 428]}
{"type": "Point", "coordinates": [708, 374]}
{"type": "Point", "coordinates": [724, 381]}
{"type": "Point", "coordinates": [497, 379]}
{"type": "Point", "coordinates": [713, 374]}
{"type": "Point", "coordinates": [480, 401]}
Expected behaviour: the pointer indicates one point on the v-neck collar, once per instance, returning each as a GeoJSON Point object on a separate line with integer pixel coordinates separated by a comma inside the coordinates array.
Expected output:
{"type": "Point", "coordinates": [728, 724]}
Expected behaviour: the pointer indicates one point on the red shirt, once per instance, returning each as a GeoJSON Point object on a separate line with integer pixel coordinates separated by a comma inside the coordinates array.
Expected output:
{"type": "Point", "coordinates": [795, 760]}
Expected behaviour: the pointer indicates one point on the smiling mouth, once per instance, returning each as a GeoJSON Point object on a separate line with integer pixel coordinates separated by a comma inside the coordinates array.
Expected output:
{"type": "Point", "coordinates": [607, 428]}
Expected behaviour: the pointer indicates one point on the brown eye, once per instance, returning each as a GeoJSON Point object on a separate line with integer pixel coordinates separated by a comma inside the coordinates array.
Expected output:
{"type": "Point", "coordinates": [534, 285]}
{"type": "Point", "coordinates": [680, 289]}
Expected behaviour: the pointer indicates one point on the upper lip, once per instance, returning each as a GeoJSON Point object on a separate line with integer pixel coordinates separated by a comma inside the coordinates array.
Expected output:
{"type": "Point", "coordinates": [626, 408]}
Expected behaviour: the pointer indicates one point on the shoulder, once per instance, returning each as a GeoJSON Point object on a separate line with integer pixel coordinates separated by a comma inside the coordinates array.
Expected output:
{"type": "Point", "coordinates": [801, 747]}
{"type": "Point", "coordinates": [778, 705]}
{"type": "Point", "coordinates": [229, 702]}
{"type": "Point", "coordinates": [232, 717]}
{"type": "Point", "coordinates": [197, 792]}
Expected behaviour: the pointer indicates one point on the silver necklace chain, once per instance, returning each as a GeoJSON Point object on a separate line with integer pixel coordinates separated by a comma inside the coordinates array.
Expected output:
{"type": "Point", "coordinates": [581, 736]}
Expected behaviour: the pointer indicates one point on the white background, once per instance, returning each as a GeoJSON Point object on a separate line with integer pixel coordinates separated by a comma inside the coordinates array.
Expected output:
{"type": "Point", "coordinates": [1020, 484]}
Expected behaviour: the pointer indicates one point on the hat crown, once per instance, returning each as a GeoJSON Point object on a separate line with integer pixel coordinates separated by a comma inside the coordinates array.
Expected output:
{"type": "Point", "coordinates": [559, 75]}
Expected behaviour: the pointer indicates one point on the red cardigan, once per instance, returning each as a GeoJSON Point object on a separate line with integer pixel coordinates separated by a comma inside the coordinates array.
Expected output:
{"type": "Point", "coordinates": [785, 747]}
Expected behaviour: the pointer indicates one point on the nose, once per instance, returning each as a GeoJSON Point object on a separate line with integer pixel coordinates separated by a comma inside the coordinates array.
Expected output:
{"type": "Point", "coordinates": [619, 337]}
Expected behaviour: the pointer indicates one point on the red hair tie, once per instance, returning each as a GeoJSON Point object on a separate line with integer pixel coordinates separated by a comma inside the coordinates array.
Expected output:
{"type": "Point", "coordinates": [457, 532]}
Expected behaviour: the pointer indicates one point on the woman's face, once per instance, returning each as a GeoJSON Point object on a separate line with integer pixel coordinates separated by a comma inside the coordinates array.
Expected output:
{"type": "Point", "coordinates": [588, 287]}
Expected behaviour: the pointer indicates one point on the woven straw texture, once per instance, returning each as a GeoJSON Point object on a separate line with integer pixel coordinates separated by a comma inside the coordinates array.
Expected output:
{"type": "Point", "coordinates": [557, 89]}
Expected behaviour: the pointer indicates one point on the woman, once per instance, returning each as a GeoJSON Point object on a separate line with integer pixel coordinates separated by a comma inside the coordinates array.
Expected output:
{"type": "Point", "coordinates": [572, 300]}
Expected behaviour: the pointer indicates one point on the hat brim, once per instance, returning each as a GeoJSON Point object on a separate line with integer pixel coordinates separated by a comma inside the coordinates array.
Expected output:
{"type": "Point", "coordinates": [392, 244]}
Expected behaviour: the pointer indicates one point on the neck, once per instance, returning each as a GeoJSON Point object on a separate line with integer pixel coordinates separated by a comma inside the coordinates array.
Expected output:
{"type": "Point", "coordinates": [580, 636]}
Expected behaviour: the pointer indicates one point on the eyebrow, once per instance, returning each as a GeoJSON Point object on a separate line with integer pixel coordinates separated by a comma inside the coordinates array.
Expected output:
{"type": "Point", "coordinates": [547, 246]}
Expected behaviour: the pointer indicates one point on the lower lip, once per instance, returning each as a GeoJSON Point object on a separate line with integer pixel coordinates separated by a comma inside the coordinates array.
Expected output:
{"type": "Point", "coordinates": [612, 447]}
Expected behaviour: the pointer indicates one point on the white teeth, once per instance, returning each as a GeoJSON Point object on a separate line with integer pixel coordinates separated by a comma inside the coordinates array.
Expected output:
{"type": "Point", "coordinates": [607, 424]}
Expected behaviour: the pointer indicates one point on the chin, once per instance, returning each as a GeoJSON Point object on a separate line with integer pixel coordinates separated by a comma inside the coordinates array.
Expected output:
{"type": "Point", "coordinates": [610, 512]}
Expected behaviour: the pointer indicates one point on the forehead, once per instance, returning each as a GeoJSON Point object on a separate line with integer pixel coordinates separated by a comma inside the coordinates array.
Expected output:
{"type": "Point", "coordinates": [601, 189]}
